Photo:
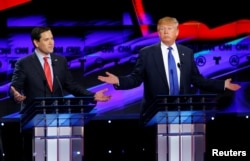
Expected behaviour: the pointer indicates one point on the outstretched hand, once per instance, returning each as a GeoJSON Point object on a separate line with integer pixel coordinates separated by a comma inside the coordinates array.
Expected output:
{"type": "Point", "coordinates": [231, 86]}
{"type": "Point", "coordinates": [100, 95]}
{"type": "Point", "coordinates": [17, 96]}
{"type": "Point", "coordinates": [110, 78]}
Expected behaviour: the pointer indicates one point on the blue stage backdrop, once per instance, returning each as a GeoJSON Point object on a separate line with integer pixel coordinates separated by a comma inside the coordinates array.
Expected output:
{"type": "Point", "coordinates": [99, 36]}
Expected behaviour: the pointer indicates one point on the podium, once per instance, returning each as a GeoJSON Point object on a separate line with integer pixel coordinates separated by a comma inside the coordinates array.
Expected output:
{"type": "Point", "coordinates": [181, 125]}
{"type": "Point", "coordinates": [57, 126]}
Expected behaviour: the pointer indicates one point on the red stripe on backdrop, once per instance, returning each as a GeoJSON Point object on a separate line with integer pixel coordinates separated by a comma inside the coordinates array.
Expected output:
{"type": "Point", "coordinates": [200, 31]}
{"type": "Point", "coordinates": [5, 4]}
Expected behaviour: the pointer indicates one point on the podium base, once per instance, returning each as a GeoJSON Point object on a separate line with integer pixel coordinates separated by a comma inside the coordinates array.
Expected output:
{"type": "Point", "coordinates": [58, 143]}
{"type": "Point", "coordinates": [182, 142]}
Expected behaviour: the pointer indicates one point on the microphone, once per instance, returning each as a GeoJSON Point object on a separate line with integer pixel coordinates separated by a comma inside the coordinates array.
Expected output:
{"type": "Point", "coordinates": [179, 65]}
{"type": "Point", "coordinates": [44, 90]}
{"type": "Point", "coordinates": [53, 62]}
{"type": "Point", "coordinates": [60, 85]}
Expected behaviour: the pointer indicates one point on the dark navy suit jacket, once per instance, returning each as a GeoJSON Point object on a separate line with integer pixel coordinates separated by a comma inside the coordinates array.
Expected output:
{"type": "Point", "coordinates": [150, 70]}
{"type": "Point", "coordinates": [29, 78]}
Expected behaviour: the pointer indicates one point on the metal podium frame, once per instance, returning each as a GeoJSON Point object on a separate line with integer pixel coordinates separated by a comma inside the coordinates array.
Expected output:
{"type": "Point", "coordinates": [181, 125]}
{"type": "Point", "coordinates": [57, 125]}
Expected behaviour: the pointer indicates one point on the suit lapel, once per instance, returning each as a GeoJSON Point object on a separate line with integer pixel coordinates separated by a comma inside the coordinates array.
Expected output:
{"type": "Point", "coordinates": [182, 60]}
{"type": "Point", "coordinates": [181, 54]}
{"type": "Point", "coordinates": [54, 68]}
{"type": "Point", "coordinates": [160, 64]}
{"type": "Point", "coordinates": [36, 64]}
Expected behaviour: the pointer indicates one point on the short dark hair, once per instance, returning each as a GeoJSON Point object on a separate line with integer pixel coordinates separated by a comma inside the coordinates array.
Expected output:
{"type": "Point", "coordinates": [36, 32]}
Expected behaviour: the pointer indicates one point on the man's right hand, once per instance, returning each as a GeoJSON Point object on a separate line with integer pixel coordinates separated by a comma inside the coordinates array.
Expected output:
{"type": "Point", "coordinates": [110, 78]}
{"type": "Point", "coordinates": [17, 96]}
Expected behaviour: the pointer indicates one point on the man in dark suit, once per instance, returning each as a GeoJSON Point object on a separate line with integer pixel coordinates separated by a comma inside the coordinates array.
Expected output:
{"type": "Point", "coordinates": [29, 80]}
{"type": "Point", "coordinates": [152, 65]}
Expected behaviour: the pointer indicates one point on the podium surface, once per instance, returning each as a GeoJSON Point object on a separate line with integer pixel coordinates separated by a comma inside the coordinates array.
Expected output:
{"type": "Point", "coordinates": [181, 125]}
{"type": "Point", "coordinates": [57, 111]}
{"type": "Point", "coordinates": [191, 106]}
{"type": "Point", "coordinates": [57, 127]}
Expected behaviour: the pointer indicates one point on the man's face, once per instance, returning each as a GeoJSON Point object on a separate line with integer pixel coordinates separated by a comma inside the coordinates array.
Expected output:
{"type": "Point", "coordinates": [46, 43]}
{"type": "Point", "coordinates": [168, 33]}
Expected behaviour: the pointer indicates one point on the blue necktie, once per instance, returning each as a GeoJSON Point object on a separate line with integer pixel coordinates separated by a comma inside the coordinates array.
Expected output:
{"type": "Point", "coordinates": [173, 78]}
